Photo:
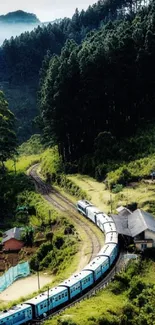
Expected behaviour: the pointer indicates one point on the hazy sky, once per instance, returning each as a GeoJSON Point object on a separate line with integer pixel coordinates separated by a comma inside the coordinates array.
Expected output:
{"type": "Point", "coordinates": [45, 9]}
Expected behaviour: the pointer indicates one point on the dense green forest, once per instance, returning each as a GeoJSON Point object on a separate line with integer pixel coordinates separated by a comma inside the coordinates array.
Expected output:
{"type": "Point", "coordinates": [21, 57]}
{"type": "Point", "coordinates": [96, 82]}
{"type": "Point", "coordinates": [95, 96]}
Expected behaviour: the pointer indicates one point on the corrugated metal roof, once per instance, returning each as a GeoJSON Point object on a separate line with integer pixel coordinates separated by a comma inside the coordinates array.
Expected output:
{"type": "Point", "coordinates": [121, 223]}
{"type": "Point", "coordinates": [12, 233]}
{"type": "Point", "coordinates": [140, 221]}
{"type": "Point", "coordinates": [133, 224]}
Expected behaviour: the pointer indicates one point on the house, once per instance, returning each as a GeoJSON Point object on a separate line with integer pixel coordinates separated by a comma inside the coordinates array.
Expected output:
{"type": "Point", "coordinates": [12, 239]}
{"type": "Point", "coordinates": [138, 225]}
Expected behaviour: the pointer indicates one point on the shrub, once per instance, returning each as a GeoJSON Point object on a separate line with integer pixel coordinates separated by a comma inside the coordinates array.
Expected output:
{"type": "Point", "coordinates": [136, 287]}
{"type": "Point", "coordinates": [117, 188]}
{"type": "Point", "coordinates": [51, 162]}
{"type": "Point", "coordinates": [58, 242]}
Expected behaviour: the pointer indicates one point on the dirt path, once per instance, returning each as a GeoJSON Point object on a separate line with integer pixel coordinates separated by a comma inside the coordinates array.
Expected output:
{"type": "Point", "coordinates": [24, 287]}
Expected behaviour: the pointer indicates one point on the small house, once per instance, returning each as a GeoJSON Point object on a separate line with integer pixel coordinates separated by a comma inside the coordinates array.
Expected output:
{"type": "Point", "coordinates": [138, 225]}
{"type": "Point", "coordinates": [12, 239]}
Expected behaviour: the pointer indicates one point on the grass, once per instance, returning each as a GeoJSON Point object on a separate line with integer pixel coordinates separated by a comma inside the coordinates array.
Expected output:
{"type": "Point", "coordinates": [96, 190]}
{"type": "Point", "coordinates": [141, 192]}
{"type": "Point", "coordinates": [23, 163]}
{"type": "Point", "coordinates": [148, 275]}
{"type": "Point", "coordinates": [103, 305]}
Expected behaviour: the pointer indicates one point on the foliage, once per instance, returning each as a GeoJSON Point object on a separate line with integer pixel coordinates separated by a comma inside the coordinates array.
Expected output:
{"type": "Point", "coordinates": [93, 74]}
{"type": "Point", "coordinates": [132, 171]}
{"type": "Point", "coordinates": [32, 147]}
{"type": "Point", "coordinates": [8, 141]}
{"type": "Point", "coordinates": [51, 162]}
{"type": "Point", "coordinates": [20, 63]}
{"type": "Point", "coordinates": [71, 187]}
{"type": "Point", "coordinates": [11, 186]}
{"type": "Point", "coordinates": [54, 255]}
{"type": "Point", "coordinates": [28, 236]}
{"type": "Point", "coordinates": [117, 188]}
{"type": "Point", "coordinates": [40, 216]}
{"type": "Point", "coordinates": [52, 168]}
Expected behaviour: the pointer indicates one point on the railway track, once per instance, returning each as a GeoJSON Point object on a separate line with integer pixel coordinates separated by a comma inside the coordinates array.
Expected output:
{"type": "Point", "coordinates": [99, 286]}
{"type": "Point", "coordinates": [64, 205]}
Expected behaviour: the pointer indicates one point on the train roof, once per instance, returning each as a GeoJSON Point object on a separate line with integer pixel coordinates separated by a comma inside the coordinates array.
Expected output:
{"type": "Point", "coordinates": [93, 209]}
{"type": "Point", "coordinates": [94, 264]}
{"type": "Point", "coordinates": [13, 310]}
{"type": "Point", "coordinates": [111, 237]}
{"type": "Point", "coordinates": [106, 250]}
{"type": "Point", "coordinates": [104, 218]}
{"type": "Point", "coordinates": [84, 203]}
{"type": "Point", "coordinates": [75, 278]}
{"type": "Point", "coordinates": [43, 296]}
{"type": "Point", "coordinates": [109, 227]}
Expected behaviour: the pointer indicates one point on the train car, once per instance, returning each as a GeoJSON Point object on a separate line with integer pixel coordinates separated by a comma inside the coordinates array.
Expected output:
{"type": "Point", "coordinates": [105, 263]}
{"type": "Point", "coordinates": [98, 266]}
{"type": "Point", "coordinates": [101, 219]}
{"type": "Point", "coordinates": [78, 283]}
{"type": "Point", "coordinates": [91, 213]}
{"type": "Point", "coordinates": [111, 238]}
{"type": "Point", "coordinates": [69, 289]}
{"type": "Point", "coordinates": [109, 250]}
{"type": "Point", "coordinates": [82, 205]}
{"type": "Point", "coordinates": [109, 227]}
{"type": "Point", "coordinates": [17, 315]}
{"type": "Point", "coordinates": [47, 301]}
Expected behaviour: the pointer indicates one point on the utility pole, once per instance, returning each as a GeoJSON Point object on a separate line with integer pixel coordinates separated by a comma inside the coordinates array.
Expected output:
{"type": "Point", "coordinates": [110, 202]}
{"type": "Point", "coordinates": [48, 298]}
{"type": "Point", "coordinates": [38, 275]}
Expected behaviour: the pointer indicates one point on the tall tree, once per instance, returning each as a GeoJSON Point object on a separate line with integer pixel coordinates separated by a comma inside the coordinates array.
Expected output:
{"type": "Point", "coordinates": [8, 141]}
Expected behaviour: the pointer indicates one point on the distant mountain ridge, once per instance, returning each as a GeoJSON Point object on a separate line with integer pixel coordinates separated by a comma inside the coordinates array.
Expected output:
{"type": "Point", "coordinates": [19, 16]}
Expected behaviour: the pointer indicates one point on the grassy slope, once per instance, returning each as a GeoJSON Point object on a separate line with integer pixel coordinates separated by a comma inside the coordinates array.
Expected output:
{"type": "Point", "coordinates": [103, 304]}
{"type": "Point", "coordinates": [22, 163]}
{"type": "Point", "coordinates": [142, 193]}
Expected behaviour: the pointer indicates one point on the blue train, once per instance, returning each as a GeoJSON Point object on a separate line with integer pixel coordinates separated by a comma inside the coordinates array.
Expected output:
{"type": "Point", "coordinates": [69, 289]}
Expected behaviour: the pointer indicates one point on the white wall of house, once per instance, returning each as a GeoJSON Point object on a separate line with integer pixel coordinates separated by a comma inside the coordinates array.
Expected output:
{"type": "Point", "coordinates": [150, 235]}
{"type": "Point", "coordinates": [142, 245]}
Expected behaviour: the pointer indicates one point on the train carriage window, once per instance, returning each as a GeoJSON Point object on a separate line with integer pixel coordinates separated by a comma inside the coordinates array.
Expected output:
{"type": "Point", "coordinates": [63, 295]}
{"type": "Point", "coordinates": [56, 298]}
{"type": "Point", "coordinates": [41, 306]}
{"type": "Point", "coordinates": [66, 293]}
{"type": "Point", "coordinates": [59, 297]}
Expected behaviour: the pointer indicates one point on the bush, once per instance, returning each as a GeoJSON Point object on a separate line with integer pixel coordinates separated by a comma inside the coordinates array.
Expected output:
{"type": "Point", "coordinates": [149, 253]}
{"type": "Point", "coordinates": [136, 287]}
{"type": "Point", "coordinates": [51, 162]}
{"type": "Point", "coordinates": [71, 187]}
{"type": "Point", "coordinates": [117, 188]}
{"type": "Point", "coordinates": [58, 242]}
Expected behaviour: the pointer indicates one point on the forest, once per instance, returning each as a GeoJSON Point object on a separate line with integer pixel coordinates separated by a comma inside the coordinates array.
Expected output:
{"type": "Point", "coordinates": [21, 57]}
{"type": "Point", "coordinates": [94, 97]}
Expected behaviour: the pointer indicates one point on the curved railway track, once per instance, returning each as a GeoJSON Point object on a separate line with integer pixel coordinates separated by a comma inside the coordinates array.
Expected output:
{"type": "Point", "coordinates": [63, 204]}
{"type": "Point", "coordinates": [99, 286]}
